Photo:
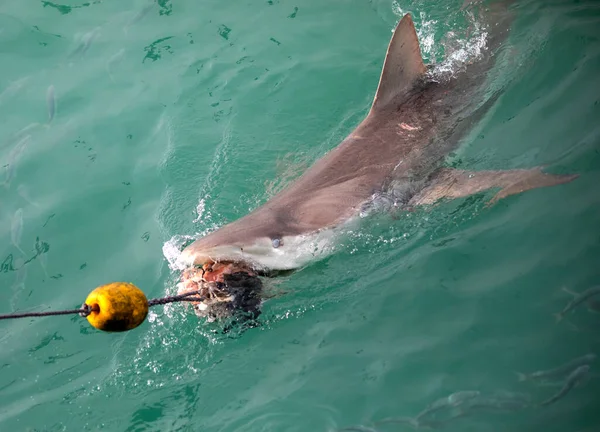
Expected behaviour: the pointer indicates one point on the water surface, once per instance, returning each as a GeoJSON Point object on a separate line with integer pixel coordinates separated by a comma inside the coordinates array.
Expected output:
{"type": "Point", "coordinates": [174, 118]}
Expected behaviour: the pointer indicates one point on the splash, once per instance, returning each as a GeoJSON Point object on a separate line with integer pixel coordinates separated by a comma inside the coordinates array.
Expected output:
{"type": "Point", "coordinates": [461, 52]}
{"type": "Point", "coordinates": [457, 48]}
{"type": "Point", "coordinates": [218, 168]}
{"type": "Point", "coordinates": [426, 35]}
{"type": "Point", "coordinates": [172, 250]}
{"type": "Point", "coordinates": [200, 209]}
{"type": "Point", "coordinates": [173, 247]}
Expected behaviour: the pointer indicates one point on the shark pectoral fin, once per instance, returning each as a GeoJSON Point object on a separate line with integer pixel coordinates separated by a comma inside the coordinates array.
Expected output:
{"type": "Point", "coordinates": [451, 183]}
{"type": "Point", "coordinates": [531, 179]}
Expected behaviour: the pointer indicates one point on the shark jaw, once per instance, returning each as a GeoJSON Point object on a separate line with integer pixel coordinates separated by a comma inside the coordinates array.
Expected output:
{"type": "Point", "coordinates": [263, 254]}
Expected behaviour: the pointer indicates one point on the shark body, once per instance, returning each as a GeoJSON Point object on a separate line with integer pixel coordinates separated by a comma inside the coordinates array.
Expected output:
{"type": "Point", "coordinates": [413, 123]}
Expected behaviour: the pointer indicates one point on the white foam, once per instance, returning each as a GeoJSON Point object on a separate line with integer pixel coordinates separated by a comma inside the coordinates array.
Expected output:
{"type": "Point", "coordinates": [461, 53]}
{"type": "Point", "coordinates": [455, 51]}
{"type": "Point", "coordinates": [172, 250]}
{"type": "Point", "coordinates": [200, 209]}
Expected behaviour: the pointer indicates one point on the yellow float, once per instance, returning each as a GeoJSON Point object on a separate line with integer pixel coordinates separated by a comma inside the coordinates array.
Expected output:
{"type": "Point", "coordinates": [117, 307]}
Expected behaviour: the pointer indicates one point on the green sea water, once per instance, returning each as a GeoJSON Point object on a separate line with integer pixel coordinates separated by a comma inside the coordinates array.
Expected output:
{"type": "Point", "coordinates": [173, 118]}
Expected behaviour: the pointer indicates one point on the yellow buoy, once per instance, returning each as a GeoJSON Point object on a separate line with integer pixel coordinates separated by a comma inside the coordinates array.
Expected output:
{"type": "Point", "coordinates": [117, 307]}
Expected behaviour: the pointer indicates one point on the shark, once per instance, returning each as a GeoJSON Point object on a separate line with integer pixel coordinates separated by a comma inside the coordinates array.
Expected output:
{"type": "Point", "coordinates": [414, 122]}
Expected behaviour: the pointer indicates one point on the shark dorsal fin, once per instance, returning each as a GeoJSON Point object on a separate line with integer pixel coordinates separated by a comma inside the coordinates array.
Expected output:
{"type": "Point", "coordinates": [403, 64]}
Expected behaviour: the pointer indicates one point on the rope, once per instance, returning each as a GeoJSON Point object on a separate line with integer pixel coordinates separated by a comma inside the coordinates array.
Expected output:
{"type": "Point", "coordinates": [85, 309]}
{"type": "Point", "coordinates": [172, 299]}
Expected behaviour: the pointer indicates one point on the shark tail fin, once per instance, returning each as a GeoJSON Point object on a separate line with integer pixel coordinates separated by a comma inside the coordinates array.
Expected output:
{"type": "Point", "coordinates": [403, 64]}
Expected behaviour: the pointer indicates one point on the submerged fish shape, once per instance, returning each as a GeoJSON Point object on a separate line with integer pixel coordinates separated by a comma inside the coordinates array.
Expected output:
{"type": "Point", "coordinates": [578, 298]}
{"type": "Point", "coordinates": [51, 103]}
{"type": "Point", "coordinates": [114, 59]}
{"type": "Point", "coordinates": [559, 371]}
{"type": "Point", "coordinates": [139, 15]}
{"type": "Point", "coordinates": [414, 122]}
{"type": "Point", "coordinates": [498, 401]}
{"type": "Point", "coordinates": [427, 424]}
{"type": "Point", "coordinates": [13, 159]}
{"type": "Point", "coordinates": [453, 400]}
{"type": "Point", "coordinates": [16, 229]}
{"type": "Point", "coordinates": [19, 283]}
{"type": "Point", "coordinates": [575, 378]}
{"type": "Point", "coordinates": [463, 404]}
{"type": "Point", "coordinates": [21, 269]}
{"type": "Point", "coordinates": [23, 192]}
{"type": "Point", "coordinates": [358, 428]}
{"type": "Point", "coordinates": [85, 42]}
{"type": "Point", "coordinates": [13, 88]}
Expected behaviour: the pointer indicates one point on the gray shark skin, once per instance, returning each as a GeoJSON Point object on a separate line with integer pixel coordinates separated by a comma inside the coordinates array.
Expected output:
{"type": "Point", "coordinates": [414, 122]}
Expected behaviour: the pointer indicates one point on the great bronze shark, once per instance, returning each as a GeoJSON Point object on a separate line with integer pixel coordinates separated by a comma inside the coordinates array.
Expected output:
{"type": "Point", "coordinates": [415, 120]}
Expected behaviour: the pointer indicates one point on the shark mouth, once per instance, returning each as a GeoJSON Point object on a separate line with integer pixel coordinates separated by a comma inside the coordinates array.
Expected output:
{"type": "Point", "coordinates": [227, 289]}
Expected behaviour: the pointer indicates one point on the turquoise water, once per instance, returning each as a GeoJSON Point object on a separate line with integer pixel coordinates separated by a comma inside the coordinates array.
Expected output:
{"type": "Point", "coordinates": [173, 118]}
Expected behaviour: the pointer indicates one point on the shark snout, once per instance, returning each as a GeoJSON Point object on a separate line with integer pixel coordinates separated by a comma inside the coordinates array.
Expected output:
{"type": "Point", "coordinates": [257, 252]}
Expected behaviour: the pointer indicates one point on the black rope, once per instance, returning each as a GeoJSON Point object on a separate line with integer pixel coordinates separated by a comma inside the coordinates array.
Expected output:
{"type": "Point", "coordinates": [172, 299]}
{"type": "Point", "coordinates": [85, 309]}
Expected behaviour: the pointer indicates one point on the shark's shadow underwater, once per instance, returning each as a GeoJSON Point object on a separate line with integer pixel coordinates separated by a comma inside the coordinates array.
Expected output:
{"type": "Point", "coordinates": [414, 122]}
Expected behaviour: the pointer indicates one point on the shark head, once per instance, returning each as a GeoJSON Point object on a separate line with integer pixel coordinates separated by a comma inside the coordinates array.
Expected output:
{"type": "Point", "coordinates": [227, 265]}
